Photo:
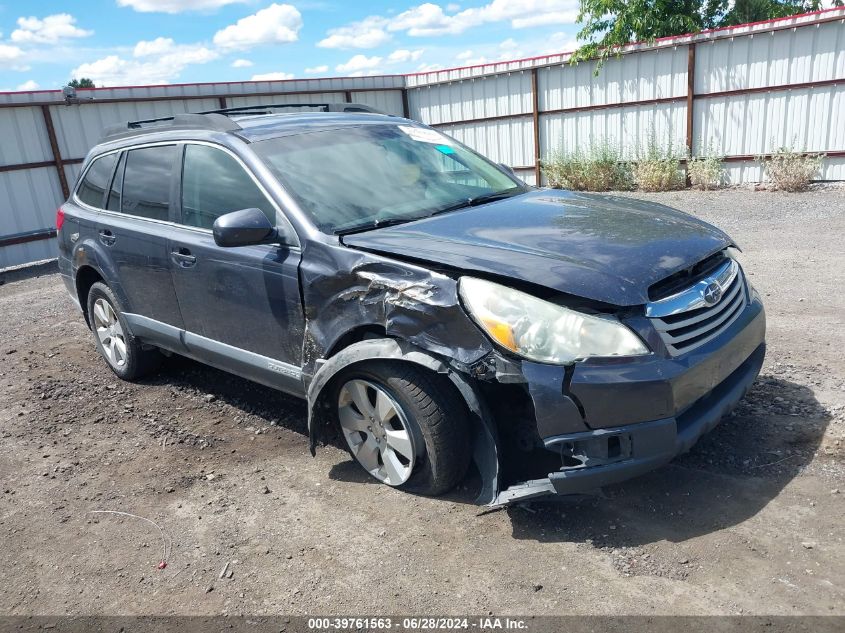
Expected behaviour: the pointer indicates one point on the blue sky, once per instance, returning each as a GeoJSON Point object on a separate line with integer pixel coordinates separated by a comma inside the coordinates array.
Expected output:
{"type": "Point", "coordinates": [44, 43]}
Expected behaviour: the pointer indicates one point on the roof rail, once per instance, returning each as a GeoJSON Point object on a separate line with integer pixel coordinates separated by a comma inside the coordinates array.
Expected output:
{"type": "Point", "coordinates": [211, 121]}
{"type": "Point", "coordinates": [268, 108]}
{"type": "Point", "coordinates": [219, 120]}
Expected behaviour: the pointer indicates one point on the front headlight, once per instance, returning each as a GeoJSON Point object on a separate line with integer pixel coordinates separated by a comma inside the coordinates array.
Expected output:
{"type": "Point", "coordinates": [542, 331]}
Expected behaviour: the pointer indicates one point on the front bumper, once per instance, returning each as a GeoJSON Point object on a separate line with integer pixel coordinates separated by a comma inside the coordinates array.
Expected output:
{"type": "Point", "coordinates": [612, 420]}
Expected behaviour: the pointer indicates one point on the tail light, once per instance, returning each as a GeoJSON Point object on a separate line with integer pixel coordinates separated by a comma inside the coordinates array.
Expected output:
{"type": "Point", "coordinates": [60, 218]}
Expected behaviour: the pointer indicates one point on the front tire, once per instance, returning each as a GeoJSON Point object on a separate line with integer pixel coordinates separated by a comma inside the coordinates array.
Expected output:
{"type": "Point", "coordinates": [405, 426]}
{"type": "Point", "coordinates": [123, 352]}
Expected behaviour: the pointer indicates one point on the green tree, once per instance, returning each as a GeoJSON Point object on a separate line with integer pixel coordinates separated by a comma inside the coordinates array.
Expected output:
{"type": "Point", "coordinates": [84, 82]}
{"type": "Point", "coordinates": [609, 25]}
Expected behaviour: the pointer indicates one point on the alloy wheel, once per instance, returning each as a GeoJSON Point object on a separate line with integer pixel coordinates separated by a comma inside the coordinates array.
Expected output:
{"type": "Point", "coordinates": [376, 430]}
{"type": "Point", "coordinates": [110, 332]}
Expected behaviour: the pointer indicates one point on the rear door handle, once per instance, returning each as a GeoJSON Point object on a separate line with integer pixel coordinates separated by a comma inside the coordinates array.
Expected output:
{"type": "Point", "coordinates": [183, 257]}
{"type": "Point", "coordinates": [107, 237]}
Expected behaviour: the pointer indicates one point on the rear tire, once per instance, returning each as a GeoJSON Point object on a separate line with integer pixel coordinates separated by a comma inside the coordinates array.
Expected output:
{"type": "Point", "coordinates": [387, 405]}
{"type": "Point", "coordinates": [122, 352]}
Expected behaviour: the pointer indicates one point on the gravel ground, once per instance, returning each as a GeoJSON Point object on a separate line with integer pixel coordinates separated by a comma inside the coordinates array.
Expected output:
{"type": "Point", "coordinates": [749, 522]}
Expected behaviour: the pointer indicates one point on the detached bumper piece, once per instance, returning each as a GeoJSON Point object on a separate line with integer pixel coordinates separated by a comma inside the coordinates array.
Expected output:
{"type": "Point", "coordinates": [607, 456]}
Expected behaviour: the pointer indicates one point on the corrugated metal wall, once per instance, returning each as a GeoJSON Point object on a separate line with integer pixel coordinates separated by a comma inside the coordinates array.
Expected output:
{"type": "Point", "coordinates": [754, 88]}
{"type": "Point", "coordinates": [810, 117]}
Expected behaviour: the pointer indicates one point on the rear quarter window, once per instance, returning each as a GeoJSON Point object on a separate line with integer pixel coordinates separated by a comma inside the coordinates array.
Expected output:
{"type": "Point", "coordinates": [93, 186]}
{"type": "Point", "coordinates": [146, 182]}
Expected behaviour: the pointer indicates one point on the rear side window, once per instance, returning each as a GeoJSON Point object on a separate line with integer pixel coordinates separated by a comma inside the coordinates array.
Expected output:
{"type": "Point", "coordinates": [146, 182]}
{"type": "Point", "coordinates": [96, 181]}
{"type": "Point", "coordinates": [213, 184]}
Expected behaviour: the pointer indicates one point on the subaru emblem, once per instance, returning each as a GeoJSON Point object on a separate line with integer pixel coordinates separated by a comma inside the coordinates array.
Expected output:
{"type": "Point", "coordinates": [712, 294]}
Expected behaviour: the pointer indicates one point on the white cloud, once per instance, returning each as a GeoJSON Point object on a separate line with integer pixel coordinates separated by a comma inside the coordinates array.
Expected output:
{"type": "Point", "coordinates": [428, 68]}
{"type": "Point", "coordinates": [474, 61]}
{"type": "Point", "coordinates": [430, 19]}
{"type": "Point", "coordinates": [357, 64]}
{"type": "Point", "coordinates": [9, 53]}
{"type": "Point", "coordinates": [512, 49]}
{"type": "Point", "coordinates": [366, 73]}
{"type": "Point", "coordinates": [241, 63]}
{"type": "Point", "coordinates": [49, 30]}
{"type": "Point", "coordinates": [28, 85]}
{"type": "Point", "coordinates": [276, 24]}
{"type": "Point", "coordinates": [367, 33]}
{"type": "Point", "coordinates": [158, 46]}
{"type": "Point", "coordinates": [272, 76]}
{"type": "Point", "coordinates": [427, 19]}
{"type": "Point", "coordinates": [175, 6]}
{"type": "Point", "coordinates": [404, 55]}
{"type": "Point", "coordinates": [170, 53]}
{"type": "Point", "coordinates": [316, 70]}
{"type": "Point", "coordinates": [158, 61]}
{"type": "Point", "coordinates": [116, 71]}
{"type": "Point", "coordinates": [544, 19]}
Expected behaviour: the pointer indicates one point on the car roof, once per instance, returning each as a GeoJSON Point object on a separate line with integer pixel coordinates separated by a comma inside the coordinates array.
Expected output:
{"type": "Point", "coordinates": [266, 126]}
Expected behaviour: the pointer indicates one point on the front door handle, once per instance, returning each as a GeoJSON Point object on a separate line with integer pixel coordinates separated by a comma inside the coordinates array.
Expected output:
{"type": "Point", "coordinates": [107, 237]}
{"type": "Point", "coordinates": [183, 257]}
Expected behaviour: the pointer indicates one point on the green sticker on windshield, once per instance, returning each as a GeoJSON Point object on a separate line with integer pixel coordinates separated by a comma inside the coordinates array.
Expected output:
{"type": "Point", "coordinates": [444, 149]}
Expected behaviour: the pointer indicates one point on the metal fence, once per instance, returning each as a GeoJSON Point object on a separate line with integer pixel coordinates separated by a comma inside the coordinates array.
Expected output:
{"type": "Point", "coordinates": [738, 92]}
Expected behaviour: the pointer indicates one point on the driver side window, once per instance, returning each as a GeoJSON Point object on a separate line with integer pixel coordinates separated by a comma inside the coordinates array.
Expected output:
{"type": "Point", "coordinates": [213, 184]}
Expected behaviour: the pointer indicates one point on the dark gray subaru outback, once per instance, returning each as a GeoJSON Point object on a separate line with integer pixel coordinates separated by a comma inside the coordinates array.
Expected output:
{"type": "Point", "coordinates": [433, 310]}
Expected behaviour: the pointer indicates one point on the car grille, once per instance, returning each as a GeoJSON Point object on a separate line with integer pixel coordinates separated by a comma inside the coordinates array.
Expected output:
{"type": "Point", "coordinates": [683, 331]}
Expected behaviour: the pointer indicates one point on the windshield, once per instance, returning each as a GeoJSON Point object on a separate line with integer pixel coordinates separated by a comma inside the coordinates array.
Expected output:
{"type": "Point", "coordinates": [356, 178]}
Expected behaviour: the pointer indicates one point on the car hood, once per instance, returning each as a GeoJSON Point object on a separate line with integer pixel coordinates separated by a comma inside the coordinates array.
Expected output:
{"type": "Point", "coordinates": [600, 247]}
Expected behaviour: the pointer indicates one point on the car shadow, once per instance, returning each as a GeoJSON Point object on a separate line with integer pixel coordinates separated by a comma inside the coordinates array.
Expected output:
{"type": "Point", "coordinates": [727, 477]}
{"type": "Point", "coordinates": [275, 407]}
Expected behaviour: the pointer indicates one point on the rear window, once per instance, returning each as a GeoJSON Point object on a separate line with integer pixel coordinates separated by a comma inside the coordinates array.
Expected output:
{"type": "Point", "coordinates": [146, 182]}
{"type": "Point", "coordinates": [96, 181]}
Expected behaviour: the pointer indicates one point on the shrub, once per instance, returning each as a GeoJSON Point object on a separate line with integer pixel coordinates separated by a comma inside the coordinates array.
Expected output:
{"type": "Point", "coordinates": [657, 169]}
{"type": "Point", "coordinates": [705, 172]}
{"type": "Point", "coordinates": [600, 168]}
{"type": "Point", "coordinates": [789, 170]}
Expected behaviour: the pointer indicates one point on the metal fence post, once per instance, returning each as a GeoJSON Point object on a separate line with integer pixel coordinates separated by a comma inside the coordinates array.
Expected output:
{"type": "Point", "coordinates": [54, 146]}
{"type": "Point", "coordinates": [535, 120]}
{"type": "Point", "coordinates": [690, 102]}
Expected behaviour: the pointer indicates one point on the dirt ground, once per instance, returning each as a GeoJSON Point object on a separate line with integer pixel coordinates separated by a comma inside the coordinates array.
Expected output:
{"type": "Point", "coordinates": [749, 522]}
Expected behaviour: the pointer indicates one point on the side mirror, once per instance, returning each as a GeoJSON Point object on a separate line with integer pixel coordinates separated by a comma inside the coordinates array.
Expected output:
{"type": "Point", "coordinates": [243, 228]}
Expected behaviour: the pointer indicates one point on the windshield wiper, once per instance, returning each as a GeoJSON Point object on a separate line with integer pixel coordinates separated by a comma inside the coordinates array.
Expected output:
{"type": "Point", "coordinates": [377, 224]}
{"type": "Point", "coordinates": [462, 204]}
{"type": "Point", "coordinates": [497, 195]}
{"type": "Point", "coordinates": [471, 202]}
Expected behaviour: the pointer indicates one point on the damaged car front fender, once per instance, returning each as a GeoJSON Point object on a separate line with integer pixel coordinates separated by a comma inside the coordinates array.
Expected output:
{"type": "Point", "coordinates": [485, 452]}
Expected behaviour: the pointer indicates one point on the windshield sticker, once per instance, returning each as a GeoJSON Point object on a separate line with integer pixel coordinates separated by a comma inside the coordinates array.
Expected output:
{"type": "Point", "coordinates": [424, 135]}
{"type": "Point", "coordinates": [444, 149]}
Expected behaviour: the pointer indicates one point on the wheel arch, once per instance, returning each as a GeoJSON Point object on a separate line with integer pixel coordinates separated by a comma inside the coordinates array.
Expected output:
{"type": "Point", "coordinates": [86, 277]}
{"type": "Point", "coordinates": [484, 435]}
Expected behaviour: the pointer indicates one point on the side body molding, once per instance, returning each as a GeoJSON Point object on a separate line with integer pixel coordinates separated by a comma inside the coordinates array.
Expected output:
{"type": "Point", "coordinates": [261, 369]}
{"type": "Point", "coordinates": [485, 452]}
